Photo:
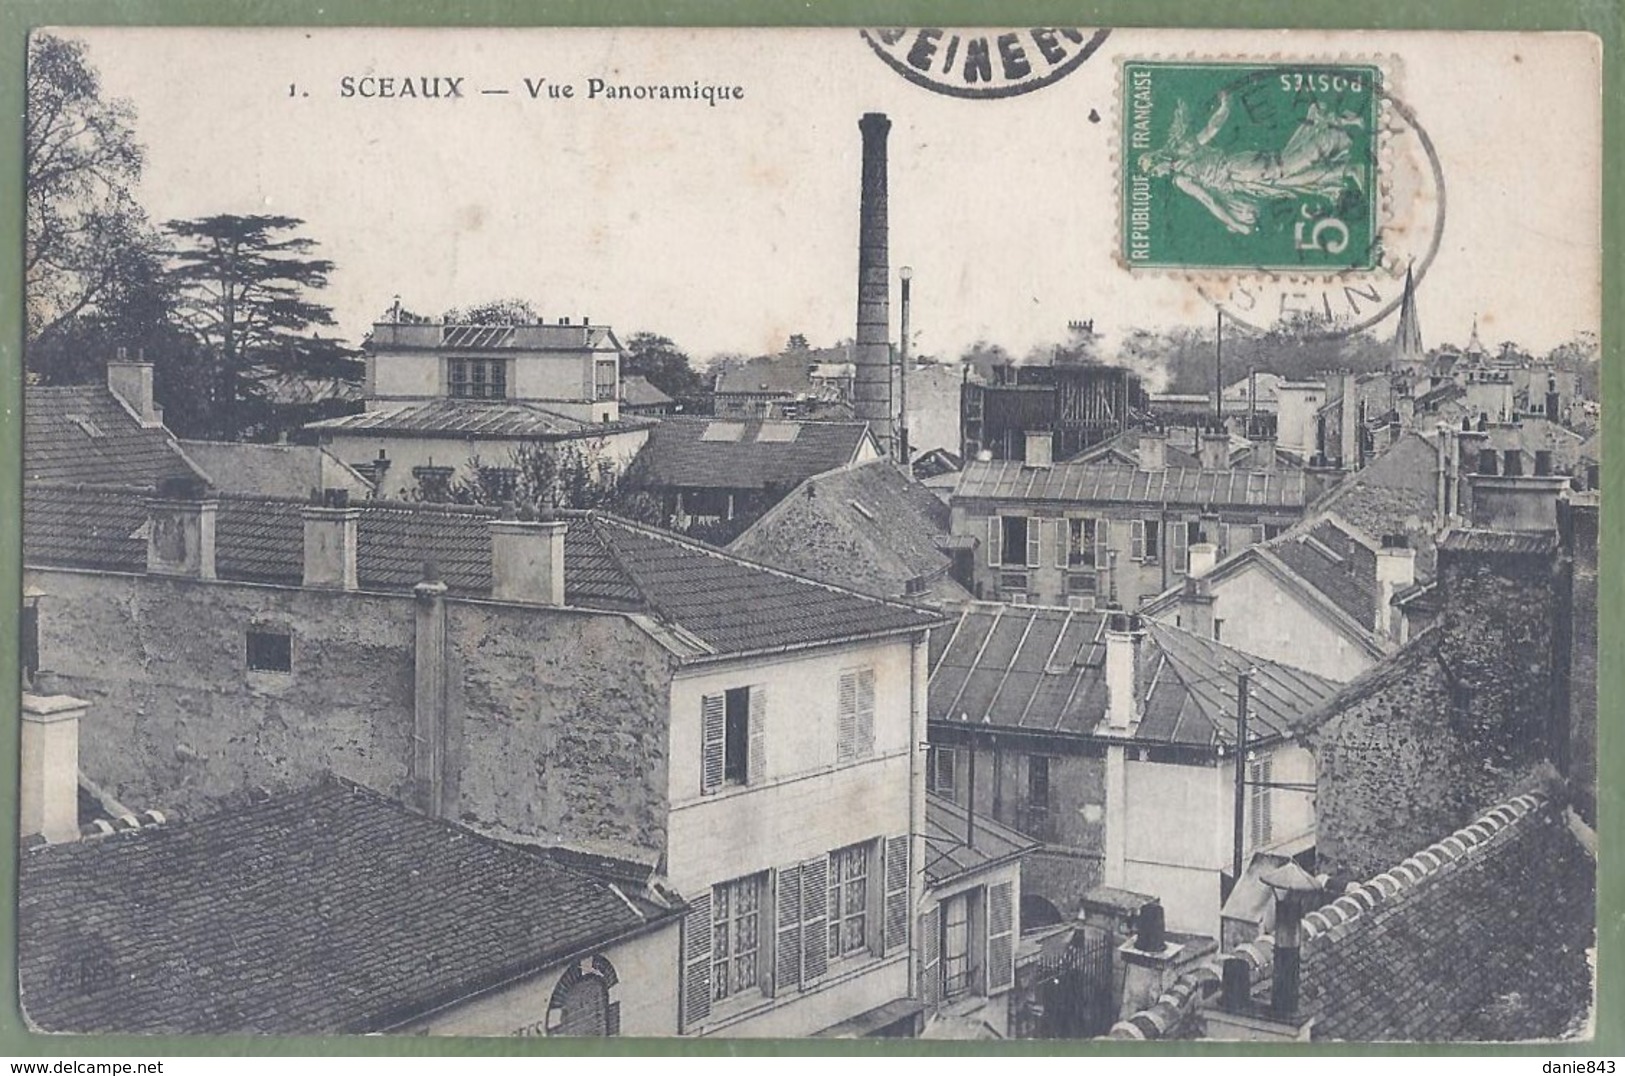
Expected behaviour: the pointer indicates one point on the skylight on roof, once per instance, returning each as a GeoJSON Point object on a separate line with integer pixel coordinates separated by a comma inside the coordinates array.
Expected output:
{"type": "Point", "coordinates": [723, 431]}
{"type": "Point", "coordinates": [778, 433]}
{"type": "Point", "coordinates": [86, 423]}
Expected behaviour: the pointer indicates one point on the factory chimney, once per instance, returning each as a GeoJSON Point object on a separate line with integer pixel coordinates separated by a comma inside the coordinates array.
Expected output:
{"type": "Point", "coordinates": [871, 389]}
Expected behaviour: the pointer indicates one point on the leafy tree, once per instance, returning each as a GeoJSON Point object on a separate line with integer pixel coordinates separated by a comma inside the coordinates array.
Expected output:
{"type": "Point", "coordinates": [663, 363]}
{"type": "Point", "coordinates": [542, 478]}
{"type": "Point", "coordinates": [495, 312]}
{"type": "Point", "coordinates": [88, 246]}
{"type": "Point", "coordinates": [243, 286]}
{"type": "Point", "coordinates": [797, 343]}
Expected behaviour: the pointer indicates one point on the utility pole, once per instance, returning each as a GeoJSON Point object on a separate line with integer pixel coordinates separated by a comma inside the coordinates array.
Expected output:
{"type": "Point", "coordinates": [906, 274]}
{"type": "Point", "coordinates": [1242, 683]}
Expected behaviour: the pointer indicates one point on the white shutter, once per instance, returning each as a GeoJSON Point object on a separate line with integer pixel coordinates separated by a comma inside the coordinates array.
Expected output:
{"type": "Point", "coordinates": [1178, 540]}
{"type": "Point", "coordinates": [1001, 929]}
{"type": "Point", "coordinates": [1136, 539]}
{"type": "Point", "coordinates": [1260, 776]}
{"type": "Point", "coordinates": [895, 935]}
{"type": "Point", "coordinates": [713, 741]}
{"type": "Point", "coordinates": [814, 920]}
{"type": "Point", "coordinates": [1035, 530]}
{"type": "Point", "coordinates": [846, 718]}
{"type": "Point", "coordinates": [930, 985]}
{"type": "Point", "coordinates": [787, 931]}
{"type": "Point", "coordinates": [697, 962]}
{"type": "Point", "coordinates": [1103, 541]}
{"type": "Point", "coordinates": [866, 714]}
{"type": "Point", "coordinates": [1063, 542]}
{"type": "Point", "coordinates": [756, 761]}
{"type": "Point", "coordinates": [995, 540]}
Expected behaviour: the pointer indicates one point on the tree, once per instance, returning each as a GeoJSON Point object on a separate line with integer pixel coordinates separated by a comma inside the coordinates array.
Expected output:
{"type": "Point", "coordinates": [86, 238]}
{"type": "Point", "coordinates": [663, 363]}
{"type": "Point", "coordinates": [495, 312]}
{"type": "Point", "coordinates": [538, 479]}
{"type": "Point", "coordinates": [242, 284]}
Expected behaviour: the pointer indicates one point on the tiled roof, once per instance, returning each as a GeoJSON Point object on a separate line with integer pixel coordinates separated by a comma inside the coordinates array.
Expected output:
{"type": "Point", "coordinates": [272, 470]}
{"type": "Point", "coordinates": [1481, 936]}
{"type": "Point", "coordinates": [1113, 482]}
{"type": "Point", "coordinates": [82, 433]}
{"type": "Point", "coordinates": [786, 374]}
{"type": "Point", "coordinates": [871, 528]}
{"type": "Point", "coordinates": [1396, 493]}
{"type": "Point", "coordinates": [331, 910]}
{"type": "Point", "coordinates": [636, 391]}
{"type": "Point", "coordinates": [1043, 670]}
{"type": "Point", "coordinates": [708, 453]}
{"type": "Point", "coordinates": [1335, 563]}
{"type": "Point", "coordinates": [1514, 543]}
{"type": "Point", "coordinates": [476, 419]}
{"type": "Point", "coordinates": [948, 856]}
{"type": "Point", "coordinates": [730, 604]}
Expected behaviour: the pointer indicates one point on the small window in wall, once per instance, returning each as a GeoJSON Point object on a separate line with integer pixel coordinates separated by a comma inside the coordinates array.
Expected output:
{"type": "Point", "coordinates": [736, 753]}
{"type": "Point", "coordinates": [940, 774]}
{"type": "Point", "coordinates": [1014, 541]}
{"type": "Point", "coordinates": [849, 901]}
{"type": "Point", "coordinates": [270, 651]}
{"type": "Point", "coordinates": [478, 379]}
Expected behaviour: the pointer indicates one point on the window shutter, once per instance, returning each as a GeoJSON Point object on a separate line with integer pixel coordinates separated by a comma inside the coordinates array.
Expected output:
{"type": "Point", "coordinates": [1178, 539]}
{"type": "Point", "coordinates": [930, 985]}
{"type": "Point", "coordinates": [866, 713]}
{"type": "Point", "coordinates": [1063, 542]}
{"type": "Point", "coordinates": [713, 740]}
{"type": "Point", "coordinates": [1260, 777]}
{"type": "Point", "coordinates": [1103, 541]}
{"type": "Point", "coordinates": [1136, 539]}
{"type": "Point", "coordinates": [756, 762]}
{"type": "Point", "coordinates": [1035, 530]}
{"type": "Point", "coordinates": [995, 540]}
{"type": "Point", "coordinates": [612, 1019]}
{"type": "Point", "coordinates": [1001, 949]}
{"type": "Point", "coordinates": [846, 720]}
{"type": "Point", "coordinates": [897, 894]}
{"type": "Point", "coordinates": [787, 934]}
{"type": "Point", "coordinates": [697, 963]}
{"type": "Point", "coordinates": [814, 920]}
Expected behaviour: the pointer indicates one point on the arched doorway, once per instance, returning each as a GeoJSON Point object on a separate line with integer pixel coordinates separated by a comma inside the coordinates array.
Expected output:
{"type": "Point", "coordinates": [583, 1002]}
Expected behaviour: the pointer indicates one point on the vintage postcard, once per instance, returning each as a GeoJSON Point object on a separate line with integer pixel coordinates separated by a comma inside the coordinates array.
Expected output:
{"type": "Point", "coordinates": [1049, 533]}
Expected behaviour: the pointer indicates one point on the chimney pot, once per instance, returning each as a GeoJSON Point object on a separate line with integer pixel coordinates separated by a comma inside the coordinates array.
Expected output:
{"type": "Point", "coordinates": [180, 531]}
{"type": "Point", "coordinates": [48, 777]}
{"type": "Point", "coordinates": [1236, 991]}
{"type": "Point", "coordinates": [1153, 453]}
{"type": "Point", "coordinates": [527, 561]}
{"type": "Point", "coordinates": [332, 542]}
{"type": "Point", "coordinates": [1125, 637]}
{"type": "Point", "coordinates": [1040, 449]}
{"type": "Point", "coordinates": [1215, 451]}
{"type": "Point", "coordinates": [131, 382]}
{"type": "Point", "coordinates": [1203, 557]}
{"type": "Point", "coordinates": [1150, 935]}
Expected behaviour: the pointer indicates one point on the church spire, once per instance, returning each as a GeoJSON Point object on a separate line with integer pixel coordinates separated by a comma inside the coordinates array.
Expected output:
{"type": "Point", "coordinates": [1475, 346]}
{"type": "Point", "coordinates": [1408, 336]}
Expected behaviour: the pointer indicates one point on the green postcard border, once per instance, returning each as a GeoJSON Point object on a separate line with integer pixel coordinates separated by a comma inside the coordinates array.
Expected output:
{"type": "Point", "coordinates": [1605, 18]}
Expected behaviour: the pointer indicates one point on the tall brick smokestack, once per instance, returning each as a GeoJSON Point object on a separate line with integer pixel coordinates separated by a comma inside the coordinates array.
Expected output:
{"type": "Point", "coordinates": [871, 389]}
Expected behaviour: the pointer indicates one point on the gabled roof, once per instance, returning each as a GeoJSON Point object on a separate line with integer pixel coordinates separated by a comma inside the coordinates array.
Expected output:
{"type": "Point", "coordinates": [870, 527]}
{"type": "Point", "coordinates": [472, 420]}
{"type": "Point", "coordinates": [273, 470]}
{"type": "Point", "coordinates": [729, 604]}
{"type": "Point", "coordinates": [636, 391]}
{"type": "Point", "coordinates": [331, 910]}
{"type": "Point", "coordinates": [948, 856]}
{"type": "Point", "coordinates": [717, 453]}
{"type": "Point", "coordinates": [1396, 493]}
{"type": "Point", "coordinates": [1042, 670]}
{"type": "Point", "coordinates": [1482, 936]}
{"type": "Point", "coordinates": [1105, 482]}
{"type": "Point", "coordinates": [788, 374]}
{"type": "Point", "coordinates": [83, 433]}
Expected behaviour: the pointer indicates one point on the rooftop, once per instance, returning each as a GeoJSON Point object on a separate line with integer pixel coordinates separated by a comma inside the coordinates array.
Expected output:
{"type": "Point", "coordinates": [83, 433]}
{"type": "Point", "coordinates": [1481, 936]}
{"type": "Point", "coordinates": [273, 470]}
{"type": "Point", "coordinates": [948, 856]}
{"type": "Point", "coordinates": [331, 910]}
{"type": "Point", "coordinates": [730, 604]}
{"type": "Point", "coordinates": [1395, 493]}
{"type": "Point", "coordinates": [870, 527]}
{"type": "Point", "coordinates": [1109, 481]}
{"type": "Point", "coordinates": [472, 420]}
{"type": "Point", "coordinates": [787, 374]}
{"type": "Point", "coordinates": [1043, 670]}
{"type": "Point", "coordinates": [636, 391]}
{"type": "Point", "coordinates": [713, 453]}
{"type": "Point", "coordinates": [1336, 562]}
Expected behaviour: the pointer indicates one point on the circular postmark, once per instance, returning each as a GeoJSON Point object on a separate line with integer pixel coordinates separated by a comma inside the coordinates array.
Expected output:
{"type": "Point", "coordinates": [984, 63]}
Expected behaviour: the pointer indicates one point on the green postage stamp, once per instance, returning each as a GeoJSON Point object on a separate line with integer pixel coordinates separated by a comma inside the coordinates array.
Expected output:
{"type": "Point", "coordinates": [1256, 165]}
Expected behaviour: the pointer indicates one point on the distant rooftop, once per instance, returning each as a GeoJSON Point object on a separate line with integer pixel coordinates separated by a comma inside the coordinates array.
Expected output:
{"type": "Point", "coordinates": [720, 453]}
{"type": "Point", "coordinates": [1108, 481]}
{"type": "Point", "coordinates": [565, 334]}
{"type": "Point", "coordinates": [948, 855]}
{"type": "Point", "coordinates": [83, 433]}
{"type": "Point", "coordinates": [329, 911]}
{"type": "Point", "coordinates": [472, 420]}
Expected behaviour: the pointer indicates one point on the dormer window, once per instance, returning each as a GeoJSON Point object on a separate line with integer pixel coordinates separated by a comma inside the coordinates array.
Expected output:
{"type": "Point", "coordinates": [478, 379]}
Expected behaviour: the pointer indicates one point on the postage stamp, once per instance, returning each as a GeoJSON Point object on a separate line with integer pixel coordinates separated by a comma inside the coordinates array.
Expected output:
{"type": "Point", "coordinates": [1264, 165]}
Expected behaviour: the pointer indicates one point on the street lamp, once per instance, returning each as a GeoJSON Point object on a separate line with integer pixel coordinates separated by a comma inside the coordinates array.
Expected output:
{"type": "Point", "coordinates": [906, 274]}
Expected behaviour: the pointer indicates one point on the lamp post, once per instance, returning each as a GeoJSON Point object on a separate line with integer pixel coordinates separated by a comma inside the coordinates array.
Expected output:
{"type": "Point", "coordinates": [905, 274]}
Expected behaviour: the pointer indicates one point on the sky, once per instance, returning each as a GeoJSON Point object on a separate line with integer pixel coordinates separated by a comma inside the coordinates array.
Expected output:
{"type": "Point", "coordinates": [730, 227]}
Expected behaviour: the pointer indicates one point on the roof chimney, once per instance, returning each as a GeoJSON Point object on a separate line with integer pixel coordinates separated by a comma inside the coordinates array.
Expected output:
{"type": "Point", "coordinates": [131, 382]}
{"type": "Point", "coordinates": [1264, 454]}
{"type": "Point", "coordinates": [180, 530]}
{"type": "Point", "coordinates": [1516, 502]}
{"type": "Point", "coordinates": [871, 389]}
{"type": "Point", "coordinates": [527, 561]}
{"type": "Point", "coordinates": [331, 542]}
{"type": "Point", "coordinates": [1153, 454]}
{"type": "Point", "coordinates": [1196, 607]}
{"type": "Point", "coordinates": [1203, 556]}
{"type": "Point", "coordinates": [48, 780]}
{"type": "Point", "coordinates": [1124, 638]}
{"type": "Point", "coordinates": [1040, 449]}
{"type": "Point", "coordinates": [1396, 570]}
{"type": "Point", "coordinates": [1215, 451]}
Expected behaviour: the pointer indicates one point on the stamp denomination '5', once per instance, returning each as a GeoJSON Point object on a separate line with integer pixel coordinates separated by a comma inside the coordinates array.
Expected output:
{"type": "Point", "coordinates": [1250, 165]}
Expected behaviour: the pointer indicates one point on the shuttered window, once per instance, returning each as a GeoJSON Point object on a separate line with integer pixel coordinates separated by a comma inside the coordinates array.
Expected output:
{"type": "Point", "coordinates": [1063, 542]}
{"type": "Point", "coordinates": [697, 962]}
{"type": "Point", "coordinates": [1178, 546]}
{"type": "Point", "coordinates": [931, 958]}
{"type": "Point", "coordinates": [995, 540]}
{"type": "Point", "coordinates": [713, 741]}
{"type": "Point", "coordinates": [1001, 943]}
{"type": "Point", "coordinates": [855, 716]}
{"type": "Point", "coordinates": [787, 932]}
{"type": "Point", "coordinates": [737, 934]}
{"type": "Point", "coordinates": [895, 935]}
{"type": "Point", "coordinates": [1261, 797]}
{"type": "Point", "coordinates": [733, 738]}
{"type": "Point", "coordinates": [1136, 539]}
{"type": "Point", "coordinates": [1103, 542]}
{"type": "Point", "coordinates": [1035, 529]}
{"type": "Point", "coordinates": [756, 769]}
{"type": "Point", "coordinates": [848, 907]}
{"type": "Point", "coordinates": [814, 920]}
